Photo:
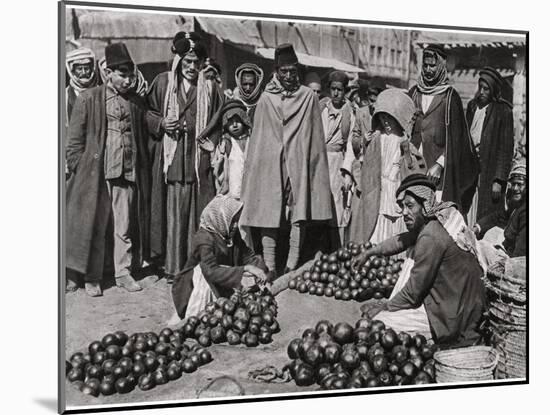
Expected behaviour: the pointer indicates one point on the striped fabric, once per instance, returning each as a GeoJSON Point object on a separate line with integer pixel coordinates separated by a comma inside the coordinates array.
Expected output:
{"type": "Point", "coordinates": [218, 215]}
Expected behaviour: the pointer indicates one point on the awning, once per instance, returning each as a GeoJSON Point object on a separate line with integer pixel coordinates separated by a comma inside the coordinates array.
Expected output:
{"type": "Point", "coordinates": [99, 24]}
{"type": "Point", "coordinates": [464, 40]}
{"type": "Point", "coordinates": [239, 32]}
{"type": "Point", "coordinates": [315, 61]}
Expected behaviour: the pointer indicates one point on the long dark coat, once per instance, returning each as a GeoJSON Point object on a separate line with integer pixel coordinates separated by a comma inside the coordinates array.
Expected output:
{"type": "Point", "coordinates": [443, 130]}
{"type": "Point", "coordinates": [183, 168]}
{"type": "Point", "coordinates": [496, 150]}
{"type": "Point", "coordinates": [88, 206]}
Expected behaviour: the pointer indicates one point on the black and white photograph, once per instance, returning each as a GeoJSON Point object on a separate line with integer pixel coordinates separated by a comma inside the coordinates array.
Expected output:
{"type": "Point", "coordinates": [265, 207]}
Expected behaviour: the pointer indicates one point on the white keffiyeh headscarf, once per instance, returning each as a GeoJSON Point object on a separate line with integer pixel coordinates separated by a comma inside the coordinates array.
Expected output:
{"type": "Point", "coordinates": [218, 215]}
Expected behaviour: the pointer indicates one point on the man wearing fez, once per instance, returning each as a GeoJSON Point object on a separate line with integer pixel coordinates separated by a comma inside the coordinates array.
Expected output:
{"type": "Point", "coordinates": [490, 122]}
{"type": "Point", "coordinates": [286, 171]}
{"type": "Point", "coordinates": [181, 102]}
{"type": "Point", "coordinates": [441, 134]}
{"type": "Point", "coordinates": [107, 154]}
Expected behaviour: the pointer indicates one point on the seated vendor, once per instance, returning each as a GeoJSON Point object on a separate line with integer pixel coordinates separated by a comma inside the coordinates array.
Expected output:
{"type": "Point", "coordinates": [220, 261]}
{"type": "Point", "coordinates": [440, 290]}
{"type": "Point", "coordinates": [513, 215]}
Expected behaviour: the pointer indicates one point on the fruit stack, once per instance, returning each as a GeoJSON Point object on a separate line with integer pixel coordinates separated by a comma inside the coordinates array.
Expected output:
{"type": "Point", "coordinates": [333, 276]}
{"type": "Point", "coordinates": [370, 355]}
{"type": "Point", "coordinates": [247, 318]}
{"type": "Point", "coordinates": [119, 363]}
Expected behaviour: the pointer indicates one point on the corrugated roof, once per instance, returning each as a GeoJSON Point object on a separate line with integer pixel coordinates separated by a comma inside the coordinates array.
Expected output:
{"type": "Point", "coordinates": [241, 32]}
{"type": "Point", "coordinates": [315, 61]}
{"type": "Point", "coordinates": [457, 39]}
{"type": "Point", "coordinates": [100, 24]}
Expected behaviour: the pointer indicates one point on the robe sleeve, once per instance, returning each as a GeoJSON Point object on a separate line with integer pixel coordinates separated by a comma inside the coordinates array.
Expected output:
{"type": "Point", "coordinates": [396, 244]}
{"type": "Point", "coordinates": [498, 218]}
{"type": "Point", "coordinates": [249, 257]}
{"type": "Point", "coordinates": [427, 259]}
{"type": "Point", "coordinates": [503, 156]}
{"type": "Point", "coordinates": [76, 135]}
{"type": "Point", "coordinates": [154, 115]}
{"type": "Point", "coordinates": [349, 155]}
{"type": "Point", "coordinates": [216, 274]}
{"type": "Point", "coordinates": [515, 234]}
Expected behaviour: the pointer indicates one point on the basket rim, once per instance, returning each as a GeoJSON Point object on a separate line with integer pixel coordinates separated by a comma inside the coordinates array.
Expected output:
{"type": "Point", "coordinates": [491, 351]}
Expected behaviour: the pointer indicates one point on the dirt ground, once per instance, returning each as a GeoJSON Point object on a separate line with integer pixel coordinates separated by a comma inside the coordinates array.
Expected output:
{"type": "Point", "coordinates": [89, 319]}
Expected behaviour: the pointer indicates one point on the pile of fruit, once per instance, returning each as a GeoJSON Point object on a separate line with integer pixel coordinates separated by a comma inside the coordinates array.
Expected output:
{"type": "Point", "coordinates": [247, 318]}
{"type": "Point", "coordinates": [119, 363]}
{"type": "Point", "coordinates": [333, 276]}
{"type": "Point", "coordinates": [369, 355]}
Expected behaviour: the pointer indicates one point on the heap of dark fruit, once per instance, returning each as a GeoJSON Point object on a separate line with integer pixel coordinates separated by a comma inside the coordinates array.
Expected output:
{"type": "Point", "coordinates": [367, 356]}
{"type": "Point", "coordinates": [332, 276]}
{"type": "Point", "coordinates": [119, 363]}
{"type": "Point", "coordinates": [247, 318]}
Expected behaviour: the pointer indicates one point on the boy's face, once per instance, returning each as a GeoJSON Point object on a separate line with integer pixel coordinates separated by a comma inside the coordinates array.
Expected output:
{"type": "Point", "coordinates": [235, 126]}
{"type": "Point", "coordinates": [122, 77]}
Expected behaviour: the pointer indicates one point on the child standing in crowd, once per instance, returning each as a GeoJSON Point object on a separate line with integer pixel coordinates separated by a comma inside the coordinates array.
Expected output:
{"type": "Point", "coordinates": [231, 151]}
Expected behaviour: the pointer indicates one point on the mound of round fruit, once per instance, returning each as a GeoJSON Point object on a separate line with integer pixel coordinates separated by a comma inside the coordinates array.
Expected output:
{"type": "Point", "coordinates": [369, 355]}
{"type": "Point", "coordinates": [333, 276]}
{"type": "Point", "coordinates": [247, 318]}
{"type": "Point", "coordinates": [119, 363]}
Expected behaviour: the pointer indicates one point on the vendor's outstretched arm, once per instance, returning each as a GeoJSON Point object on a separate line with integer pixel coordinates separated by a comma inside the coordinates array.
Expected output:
{"type": "Point", "coordinates": [396, 244]}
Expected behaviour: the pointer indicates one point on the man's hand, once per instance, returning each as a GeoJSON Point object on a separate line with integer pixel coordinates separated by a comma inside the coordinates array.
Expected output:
{"type": "Point", "coordinates": [497, 191]}
{"type": "Point", "coordinates": [434, 173]}
{"type": "Point", "coordinates": [348, 181]}
{"type": "Point", "coordinates": [259, 275]}
{"type": "Point", "coordinates": [360, 259]}
{"type": "Point", "coordinates": [169, 124]}
{"type": "Point", "coordinates": [373, 310]}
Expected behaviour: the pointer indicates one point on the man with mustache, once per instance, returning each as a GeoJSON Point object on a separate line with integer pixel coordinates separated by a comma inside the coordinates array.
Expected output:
{"type": "Point", "coordinates": [286, 170]}
{"type": "Point", "coordinates": [441, 134]}
{"type": "Point", "coordinates": [181, 103]}
{"type": "Point", "coordinates": [107, 154]}
{"type": "Point", "coordinates": [512, 216]}
{"type": "Point", "coordinates": [439, 292]}
{"type": "Point", "coordinates": [490, 122]}
{"type": "Point", "coordinates": [82, 71]}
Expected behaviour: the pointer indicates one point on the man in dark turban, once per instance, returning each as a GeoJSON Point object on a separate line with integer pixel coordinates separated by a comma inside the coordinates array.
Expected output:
{"type": "Point", "coordinates": [490, 122]}
{"type": "Point", "coordinates": [441, 134]}
{"type": "Point", "coordinates": [182, 101]}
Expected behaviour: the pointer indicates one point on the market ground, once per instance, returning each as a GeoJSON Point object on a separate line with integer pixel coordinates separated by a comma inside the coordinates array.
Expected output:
{"type": "Point", "coordinates": [89, 319]}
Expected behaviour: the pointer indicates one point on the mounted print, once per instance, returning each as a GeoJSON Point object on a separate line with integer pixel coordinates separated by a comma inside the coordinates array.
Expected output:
{"type": "Point", "coordinates": [260, 207]}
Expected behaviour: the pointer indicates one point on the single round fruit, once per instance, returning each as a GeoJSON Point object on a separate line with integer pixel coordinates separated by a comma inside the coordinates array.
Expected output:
{"type": "Point", "coordinates": [343, 333]}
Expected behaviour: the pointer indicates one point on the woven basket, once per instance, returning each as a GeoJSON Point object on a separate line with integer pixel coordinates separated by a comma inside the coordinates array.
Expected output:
{"type": "Point", "coordinates": [505, 285]}
{"type": "Point", "coordinates": [468, 364]}
{"type": "Point", "coordinates": [508, 313]}
{"type": "Point", "coordinates": [512, 354]}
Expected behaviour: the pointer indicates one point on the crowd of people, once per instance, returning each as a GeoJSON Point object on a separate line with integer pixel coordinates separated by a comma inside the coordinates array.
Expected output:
{"type": "Point", "coordinates": [216, 189]}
